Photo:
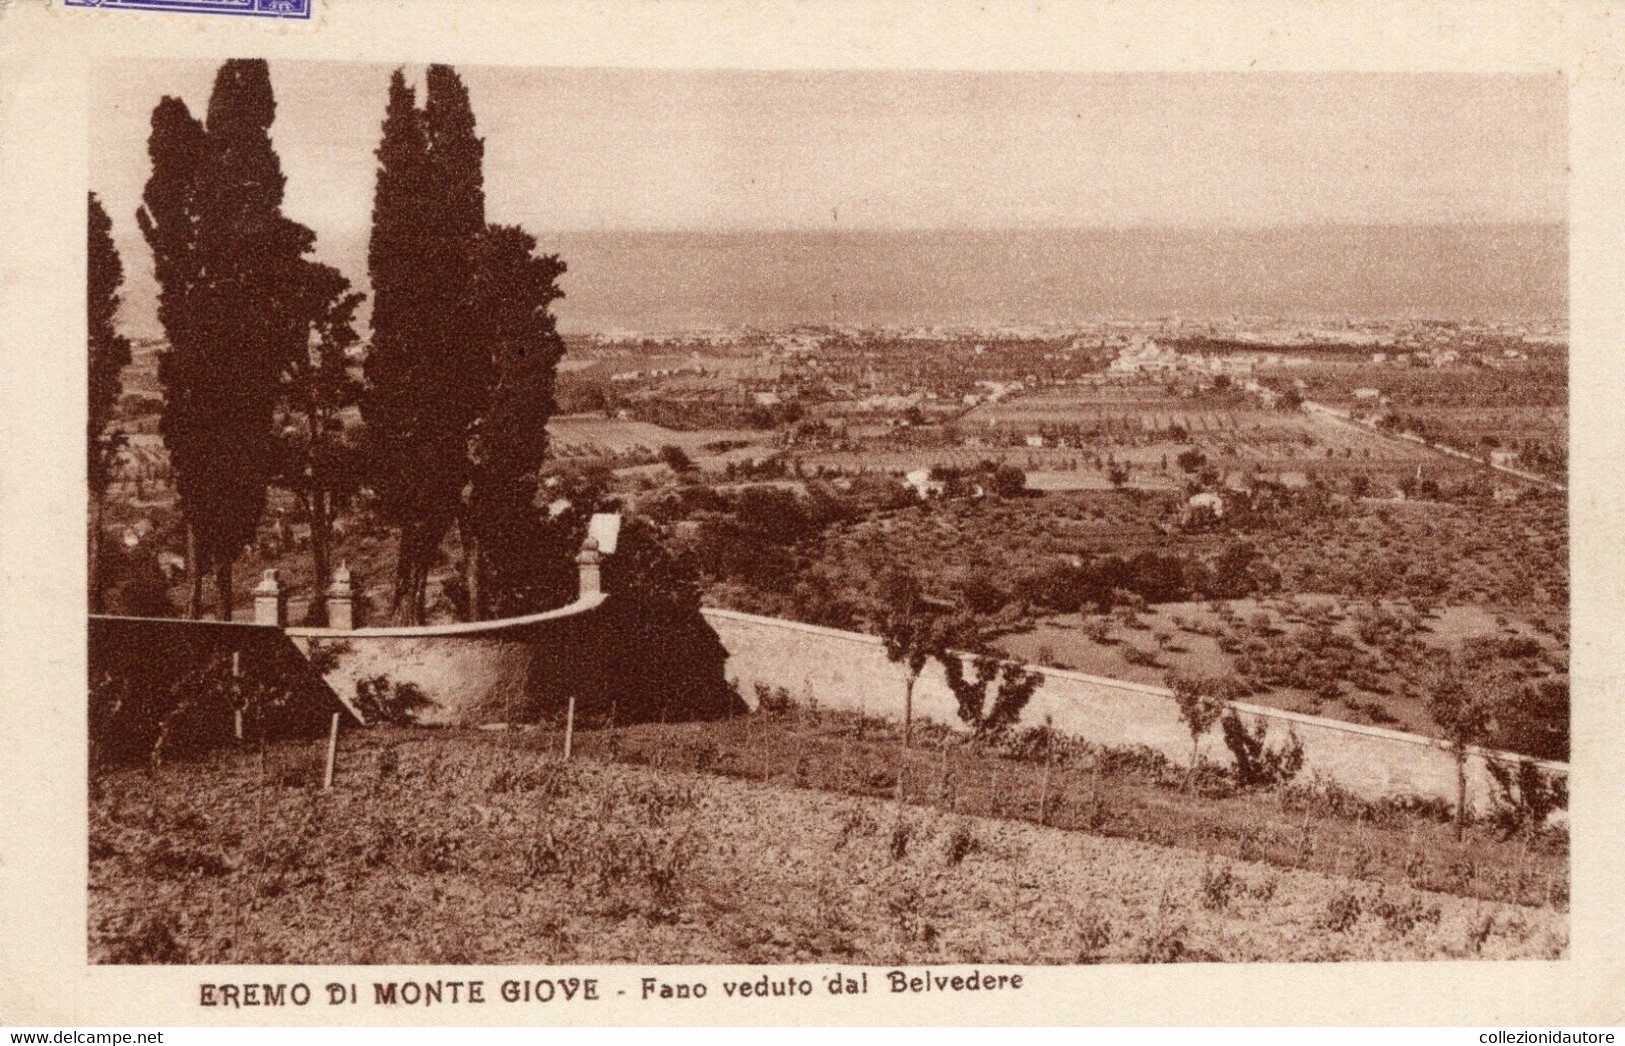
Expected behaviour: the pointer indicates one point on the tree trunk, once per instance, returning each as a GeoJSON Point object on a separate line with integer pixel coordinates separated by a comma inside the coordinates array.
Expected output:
{"type": "Point", "coordinates": [320, 524]}
{"type": "Point", "coordinates": [194, 575]}
{"type": "Point", "coordinates": [411, 576]}
{"type": "Point", "coordinates": [472, 568]}
{"type": "Point", "coordinates": [908, 709]}
{"type": "Point", "coordinates": [222, 590]}
{"type": "Point", "coordinates": [1461, 795]}
{"type": "Point", "coordinates": [95, 553]}
{"type": "Point", "coordinates": [476, 590]}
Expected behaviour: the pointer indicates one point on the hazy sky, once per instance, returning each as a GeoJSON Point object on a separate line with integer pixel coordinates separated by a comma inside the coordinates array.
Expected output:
{"type": "Point", "coordinates": [587, 149]}
{"type": "Point", "coordinates": [571, 149]}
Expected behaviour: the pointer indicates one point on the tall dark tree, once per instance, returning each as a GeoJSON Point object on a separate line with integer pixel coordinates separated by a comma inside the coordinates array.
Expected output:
{"type": "Point", "coordinates": [240, 287]}
{"type": "Point", "coordinates": [428, 370]}
{"type": "Point", "coordinates": [109, 353]}
{"type": "Point", "coordinates": [320, 462]}
{"type": "Point", "coordinates": [169, 223]}
{"type": "Point", "coordinates": [514, 290]}
{"type": "Point", "coordinates": [400, 402]}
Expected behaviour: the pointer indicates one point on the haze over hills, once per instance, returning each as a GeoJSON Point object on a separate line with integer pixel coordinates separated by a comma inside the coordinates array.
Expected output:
{"type": "Point", "coordinates": [661, 281]}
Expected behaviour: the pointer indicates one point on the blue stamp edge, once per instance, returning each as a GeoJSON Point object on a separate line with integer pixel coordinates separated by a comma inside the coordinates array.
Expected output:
{"type": "Point", "coordinates": [241, 8]}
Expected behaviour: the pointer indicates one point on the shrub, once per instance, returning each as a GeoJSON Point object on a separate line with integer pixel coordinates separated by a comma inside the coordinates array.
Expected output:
{"type": "Point", "coordinates": [1401, 917]}
{"type": "Point", "coordinates": [1016, 686]}
{"type": "Point", "coordinates": [901, 833]}
{"type": "Point", "coordinates": [1342, 912]}
{"type": "Point", "coordinates": [1525, 796]}
{"type": "Point", "coordinates": [1138, 655]}
{"type": "Point", "coordinates": [379, 700]}
{"type": "Point", "coordinates": [1257, 765]}
{"type": "Point", "coordinates": [774, 700]}
{"type": "Point", "coordinates": [1218, 883]}
{"type": "Point", "coordinates": [961, 844]}
{"type": "Point", "coordinates": [1094, 934]}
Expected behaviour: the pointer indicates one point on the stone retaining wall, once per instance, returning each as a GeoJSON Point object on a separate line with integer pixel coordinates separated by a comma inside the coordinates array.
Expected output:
{"type": "Point", "coordinates": [849, 670]}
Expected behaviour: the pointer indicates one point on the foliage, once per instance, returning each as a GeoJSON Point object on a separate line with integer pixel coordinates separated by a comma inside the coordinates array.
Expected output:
{"type": "Point", "coordinates": [985, 708]}
{"type": "Point", "coordinates": [382, 700]}
{"type": "Point", "coordinates": [429, 371]}
{"type": "Point", "coordinates": [1008, 481]}
{"type": "Point", "coordinates": [1257, 765]}
{"type": "Point", "coordinates": [1202, 699]}
{"type": "Point", "coordinates": [231, 283]}
{"type": "Point", "coordinates": [318, 461]}
{"type": "Point", "coordinates": [109, 351]}
{"type": "Point", "coordinates": [676, 459]}
{"type": "Point", "coordinates": [1463, 708]}
{"type": "Point", "coordinates": [514, 292]}
{"type": "Point", "coordinates": [1525, 795]}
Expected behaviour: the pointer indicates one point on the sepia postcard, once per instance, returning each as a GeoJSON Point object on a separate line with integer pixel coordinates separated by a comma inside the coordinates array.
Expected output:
{"type": "Point", "coordinates": [775, 513]}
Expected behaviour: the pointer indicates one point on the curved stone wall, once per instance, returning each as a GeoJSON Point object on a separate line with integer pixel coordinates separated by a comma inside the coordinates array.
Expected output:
{"type": "Point", "coordinates": [475, 672]}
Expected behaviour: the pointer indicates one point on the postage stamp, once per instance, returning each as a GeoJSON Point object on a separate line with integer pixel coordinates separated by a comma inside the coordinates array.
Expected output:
{"type": "Point", "coordinates": [259, 8]}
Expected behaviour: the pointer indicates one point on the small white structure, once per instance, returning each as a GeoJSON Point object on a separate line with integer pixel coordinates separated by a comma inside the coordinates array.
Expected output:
{"type": "Point", "coordinates": [1206, 501]}
{"type": "Point", "coordinates": [605, 529]}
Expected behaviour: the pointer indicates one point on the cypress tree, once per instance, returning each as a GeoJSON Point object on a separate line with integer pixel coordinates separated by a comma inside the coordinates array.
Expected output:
{"type": "Point", "coordinates": [109, 353]}
{"type": "Point", "coordinates": [251, 302]}
{"type": "Point", "coordinates": [167, 218]}
{"type": "Point", "coordinates": [399, 404]}
{"type": "Point", "coordinates": [234, 277]}
{"type": "Point", "coordinates": [427, 372]}
{"type": "Point", "coordinates": [514, 291]}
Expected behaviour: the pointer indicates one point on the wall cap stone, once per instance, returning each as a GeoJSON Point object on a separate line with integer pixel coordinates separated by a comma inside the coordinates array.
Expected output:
{"type": "Point", "coordinates": [461, 628]}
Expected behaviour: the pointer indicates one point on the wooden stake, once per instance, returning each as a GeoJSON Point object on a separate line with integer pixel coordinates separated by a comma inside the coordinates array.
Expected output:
{"type": "Point", "coordinates": [569, 727]}
{"type": "Point", "coordinates": [1043, 794]}
{"type": "Point", "coordinates": [236, 694]}
{"type": "Point", "coordinates": [332, 753]}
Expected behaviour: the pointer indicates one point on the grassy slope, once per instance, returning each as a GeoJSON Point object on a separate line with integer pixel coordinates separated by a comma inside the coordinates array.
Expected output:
{"type": "Point", "coordinates": [479, 847]}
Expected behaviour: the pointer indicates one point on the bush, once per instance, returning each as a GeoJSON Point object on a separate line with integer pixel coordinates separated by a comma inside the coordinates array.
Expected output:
{"type": "Point", "coordinates": [1258, 765]}
{"type": "Point", "coordinates": [379, 700]}
{"type": "Point", "coordinates": [1016, 686]}
{"type": "Point", "coordinates": [1525, 796]}
{"type": "Point", "coordinates": [1342, 912]}
{"type": "Point", "coordinates": [961, 844]}
{"type": "Point", "coordinates": [902, 832]}
{"type": "Point", "coordinates": [773, 700]}
{"type": "Point", "coordinates": [1218, 884]}
{"type": "Point", "coordinates": [1139, 655]}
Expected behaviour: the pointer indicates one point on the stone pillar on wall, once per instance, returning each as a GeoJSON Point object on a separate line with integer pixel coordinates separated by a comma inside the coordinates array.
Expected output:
{"type": "Point", "coordinates": [271, 600]}
{"type": "Point", "coordinates": [589, 563]}
{"type": "Point", "coordinates": [341, 600]}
